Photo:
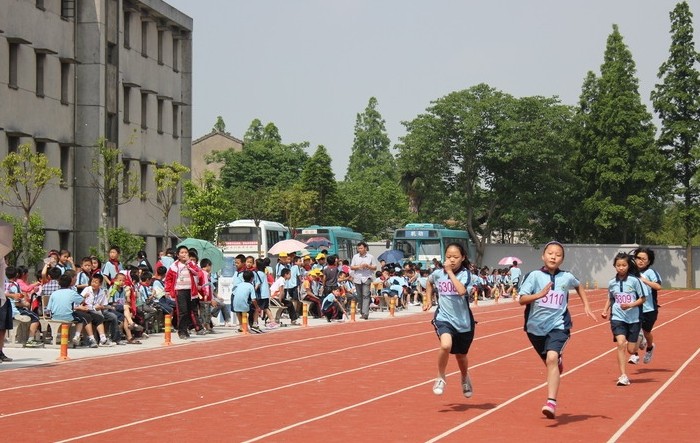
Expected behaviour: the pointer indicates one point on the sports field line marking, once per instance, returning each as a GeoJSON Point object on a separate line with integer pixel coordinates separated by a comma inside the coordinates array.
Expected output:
{"type": "Point", "coordinates": [651, 399]}
{"type": "Point", "coordinates": [529, 391]}
{"type": "Point", "coordinates": [338, 411]}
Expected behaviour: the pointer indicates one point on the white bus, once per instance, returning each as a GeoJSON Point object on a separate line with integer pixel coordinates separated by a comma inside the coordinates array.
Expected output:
{"type": "Point", "coordinates": [241, 237]}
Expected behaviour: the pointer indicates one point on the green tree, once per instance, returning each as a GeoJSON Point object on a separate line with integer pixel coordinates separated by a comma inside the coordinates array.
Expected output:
{"type": "Point", "coordinates": [167, 179]}
{"type": "Point", "coordinates": [206, 205]}
{"type": "Point", "coordinates": [36, 238]}
{"type": "Point", "coordinates": [677, 101]}
{"type": "Point", "coordinates": [24, 175]}
{"type": "Point", "coordinates": [622, 163]}
{"type": "Point", "coordinates": [130, 244]}
{"type": "Point", "coordinates": [220, 125]}
{"type": "Point", "coordinates": [115, 185]}
{"type": "Point", "coordinates": [370, 148]}
{"type": "Point", "coordinates": [317, 175]}
{"type": "Point", "coordinates": [293, 206]}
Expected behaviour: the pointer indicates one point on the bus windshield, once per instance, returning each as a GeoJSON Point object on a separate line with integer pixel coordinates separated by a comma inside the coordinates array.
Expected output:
{"type": "Point", "coordinates": [231, 235]}
{"type": "Point", "coordinates": [420, 250]}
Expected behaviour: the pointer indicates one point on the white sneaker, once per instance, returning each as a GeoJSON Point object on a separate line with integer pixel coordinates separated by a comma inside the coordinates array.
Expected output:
{"type": "Point", "coordinates": [623, 381]}
{"type": "Point", "coordinates": [634, 359]}
{"type": "Point", "coordinates": [650, 353]}
{"type": "Point", "coordinates": [439, 386]}
{"type": "Point", "coordinates": [467, 387]}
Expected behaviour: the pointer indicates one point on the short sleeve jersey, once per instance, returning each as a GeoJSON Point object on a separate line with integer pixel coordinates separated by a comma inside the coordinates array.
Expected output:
{"type": "Point", "coordinates": [628, 290]}
{"type": "Point", "coordinates": [242, 296]}
{"type": "Point", "coordinates": [452, 306]}
{"type": "Point", "coordinates": [551, 311]}
{"type": "Point", "coordinates": [651, 304]}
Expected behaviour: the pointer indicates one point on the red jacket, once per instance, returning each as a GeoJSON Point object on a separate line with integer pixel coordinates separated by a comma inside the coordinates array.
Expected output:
{"type": "Point", "coordinates": [196, 274]}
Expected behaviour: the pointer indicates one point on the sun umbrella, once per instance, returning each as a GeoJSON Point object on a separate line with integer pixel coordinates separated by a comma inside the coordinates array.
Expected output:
{"type": "Point", "coordinates": [205, 249]}
{"type": "Point", "coordinates": [318, 242]}
{"type": "Point", "coordinates": [6, 231]}
{"type": "Point", "coordinates": [509, 260]}
{"type": "Point", "coordinates": [391, 256]}
{"type": "Point", "coordinates": [289, 245]}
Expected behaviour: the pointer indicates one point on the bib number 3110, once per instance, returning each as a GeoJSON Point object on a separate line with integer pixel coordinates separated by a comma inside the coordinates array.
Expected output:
{"type": "Point", "coordinates": [553, 300]}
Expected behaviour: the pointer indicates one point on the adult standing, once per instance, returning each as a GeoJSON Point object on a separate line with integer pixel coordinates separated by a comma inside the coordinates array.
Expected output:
{"type": "Point", "coordinates": [181, 281]}
{"type": "Point", "coordinates": [363, 266]}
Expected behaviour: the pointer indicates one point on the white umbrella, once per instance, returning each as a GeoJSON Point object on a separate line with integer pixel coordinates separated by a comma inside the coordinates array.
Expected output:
{"type": "Point", "coordinates": [288, 246]}
{"type": "Point", "coordinates": [6, 231]}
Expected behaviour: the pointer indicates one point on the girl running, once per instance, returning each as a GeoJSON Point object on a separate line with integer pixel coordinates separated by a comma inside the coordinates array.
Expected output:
{"type": "Point", "coordinates": [624, 305]}
{"type": "Point", "coordinates": [547, 319]}
{"type": "Point", "coordinates": [453, 321]}
{"type": "Point", "coordinates": [644, 258]}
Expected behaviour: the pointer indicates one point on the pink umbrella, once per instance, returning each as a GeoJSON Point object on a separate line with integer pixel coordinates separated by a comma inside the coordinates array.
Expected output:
{"type": "Point", "coordinates": [509, 260]}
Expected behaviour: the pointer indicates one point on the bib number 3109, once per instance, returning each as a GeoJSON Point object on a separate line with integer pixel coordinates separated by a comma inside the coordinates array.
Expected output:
{"type": "Point", "coordinates": [553, 300]}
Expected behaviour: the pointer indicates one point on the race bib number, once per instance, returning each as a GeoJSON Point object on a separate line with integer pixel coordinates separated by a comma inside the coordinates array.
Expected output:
{"type": "Point", "coordinates": [622, 297]}
{"type": "Point", "coordinates": [446, 287]}
{"type": "Point", "coordinates": [553, 300]}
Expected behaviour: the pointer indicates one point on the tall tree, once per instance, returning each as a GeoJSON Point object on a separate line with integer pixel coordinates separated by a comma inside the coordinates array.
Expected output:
{"type": "Point", "coordinates": [622, 165]}
{"type": "Point", "coordinates": [370, 148]}
{"type": "Point", "coordinates": [677, 101]}
{"type": "Point", "coordinates": [220, 125]}
{"type": "Point", "coordinates": [24, 175]}
{"type": "Point", "coordinates": [318, 176]}
{"type": "Point", "coordinates": [206, 205]}
{"type": "Point", "coordinates": [167, 179]}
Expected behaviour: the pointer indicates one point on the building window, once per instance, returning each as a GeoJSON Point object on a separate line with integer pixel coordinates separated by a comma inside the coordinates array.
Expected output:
{"type": "Point", "coordinates": [63, 239]}
{"type": "Point", "coordinates": [176, 54]}
{"type": "Point", "coordinates": [112, 54]}
{"type": "Point", "coordinates": [40, 5]}
{"type": "Point", "coordinates": [12, 144]}
{"type": "Point", "coordinates": [160, 116]}
{"type": "Point", "coordinates": [144, 180]}
{"type": "Point", "coordinates": [160, 47]}
{"type": "Point", "coordinates": [126, 174]}
{"type": "Point", "coordinates": [176, 116]}
{"type": "Point", "coordinates": [67, 8]}
{"type": "Point", "coordinates": [144, 39]}
{"type": "Point", "coordinates": [14, 51]}
{"type": "Point", "coordinates": [40, 63]}
{"type": "Point", "coordinates": [65, 81]}
{"type": "Point", "coordinates": [41, 148]}
{"type": "Point", "coordinates": [144, 110]}
{"type": "Point", "coordinates": [127, 29]}
{"type": "Point", "coordinates": [127, 103]}
{"type": "Point", "coordinates": [65, 164]}
{"type": "Point", "coordinates": [112, 129]}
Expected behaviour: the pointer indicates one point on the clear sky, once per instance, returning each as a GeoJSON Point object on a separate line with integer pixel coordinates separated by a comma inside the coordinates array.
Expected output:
{"type": "Point", "coordinates": [309, 66]}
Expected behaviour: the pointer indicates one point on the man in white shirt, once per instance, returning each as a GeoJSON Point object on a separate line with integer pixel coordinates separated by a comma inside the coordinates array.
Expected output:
{"type": "Point", "coordinates": [362, 267]}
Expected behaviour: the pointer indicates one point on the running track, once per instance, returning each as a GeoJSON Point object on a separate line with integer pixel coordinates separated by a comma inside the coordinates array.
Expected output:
{"type": "Point", "coordinates": [369, 380]}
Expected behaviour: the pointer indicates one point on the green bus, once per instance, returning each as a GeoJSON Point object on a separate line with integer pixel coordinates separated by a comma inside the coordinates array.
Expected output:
{"type": "Point", "coordinates": [423, 242]}
{"type": "Point", "coordinates": [337, 240]}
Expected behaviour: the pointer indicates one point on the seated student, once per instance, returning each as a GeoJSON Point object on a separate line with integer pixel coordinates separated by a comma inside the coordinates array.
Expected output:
{"type": "Point", "coordinates": [421, 285]}
{"type": "Point", "coordinates": [95, 297]}
{"type": "Point", "coordinates": [277, 292]}
{"type": "Point", "coordinates": [120, 300]}
{"type": "Point", "coordinates": [67, 305]}
{"type": "Point", "coordinates": [165, 300]}
{"type": "Point", "coordinates": [84, 275]}
{"type": "Point", "coordinates": [21, 304]}
{"type": "Point", "coordinates": [242, 298]}
{"type": "Point", "coordinates": [376, 289]}
{"type": "Point", "coordinates": [394, 286]}
{"type": "Point", "coordinates": [348, 290]}
{"type": "Point", "coordinates": [331, 306]}
{"type": "Point", "coordinates": [49, 286]}
{"type": "Point", "coordinates": [310, 290]}
{"type": "Point", "coordinates": [145, 301]}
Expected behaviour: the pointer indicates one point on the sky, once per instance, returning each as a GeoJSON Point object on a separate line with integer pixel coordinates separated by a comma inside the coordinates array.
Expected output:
{"type": "Point", "coordinates": [310, 66]}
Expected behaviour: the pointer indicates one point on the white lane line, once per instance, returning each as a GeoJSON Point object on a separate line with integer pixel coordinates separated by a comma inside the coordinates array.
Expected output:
{"type": "Point", "coordinates": [651, 399]}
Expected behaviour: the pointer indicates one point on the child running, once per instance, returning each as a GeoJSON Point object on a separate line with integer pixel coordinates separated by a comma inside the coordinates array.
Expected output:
{"type": "Point", "coordinates": [547, 319]}
{"type": "Point", "coordinates": [644, 258]}
{"type": "Point", "coordinates": [453, 321]}
{"type": "Point", "coordinates": [626, 295]}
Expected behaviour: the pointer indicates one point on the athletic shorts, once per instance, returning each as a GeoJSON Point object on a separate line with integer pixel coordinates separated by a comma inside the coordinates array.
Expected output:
{"type": "Point", "coordinates": [648, 320]}
{"type": "Point", "coordinates": [555, 340]}
{"type": "Point", "coordinates": [264, 303]}
{"type": "Point", "coordinates": [629, 330]}
{"type": "Point", "coordinates": [461, 341]}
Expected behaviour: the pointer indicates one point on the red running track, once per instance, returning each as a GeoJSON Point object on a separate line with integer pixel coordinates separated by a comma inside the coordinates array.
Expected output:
{"type": "Point", "coordinates": [369, 380]}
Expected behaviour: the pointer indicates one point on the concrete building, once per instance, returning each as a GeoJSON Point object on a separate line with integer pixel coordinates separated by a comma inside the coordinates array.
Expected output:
{"type": "Point", "coordinates": [74, 72]}
{"type": "Point", "coordinates": [206, 145]}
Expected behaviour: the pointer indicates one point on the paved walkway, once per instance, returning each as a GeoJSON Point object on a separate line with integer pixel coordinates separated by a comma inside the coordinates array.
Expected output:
{"type": "Point", "coordinates": [27, 357]}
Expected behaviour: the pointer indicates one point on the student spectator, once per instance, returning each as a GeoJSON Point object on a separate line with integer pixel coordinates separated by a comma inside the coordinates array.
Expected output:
{"type": "Point", "coordinates": [112, 267]}
{"type": "Point", "coordinates": [20, 304]}
{"type": "Point", "coordinates": [347, 290]}
{"type": "Point", "coordinates": [165, 300]}
{"type": "Point", "coordinates": [50, 286]}
{"type": "Point", "coordinates": [67, 305]}
{"type": "Point", "coordinates": [5, 312]}
{"type": "Point", "coordinates": [120, 299]}
{"type": "Point", "coordinates": [145, 301]}
{"type": "Point", "coordinates": [65, 261]}
{"type": "Point", "coordinates": [205, 303]}
{"type": "Point", "coordinates": [85, 274]}
{"type": "Point", "coordinates": [332, 308]}
{"type": "Point", "coordinates": [277, 291]}
{"type": "Point", "coordinates": [262, 292]}
{"type": "Point", "coordinates": [311, 289]}
{"type": "Point", "coordinates": [95, 298]}
{"type": "Point", "coordinates": [243, 296]}
{"type": "Point", "coordinates": [330, 275]}
{"type": "Point", "coordinates": [167, 259]}
{"type": "Point", "coordinates": [143, 261]}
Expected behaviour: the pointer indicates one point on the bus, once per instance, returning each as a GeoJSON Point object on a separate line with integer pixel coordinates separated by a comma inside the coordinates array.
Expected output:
{"type": "Point", "coordinates": [423, 242]}
{"type": "Point", "coordinates": [337, 240]}
{"type": "Point", "coordinates": [241, 237]}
